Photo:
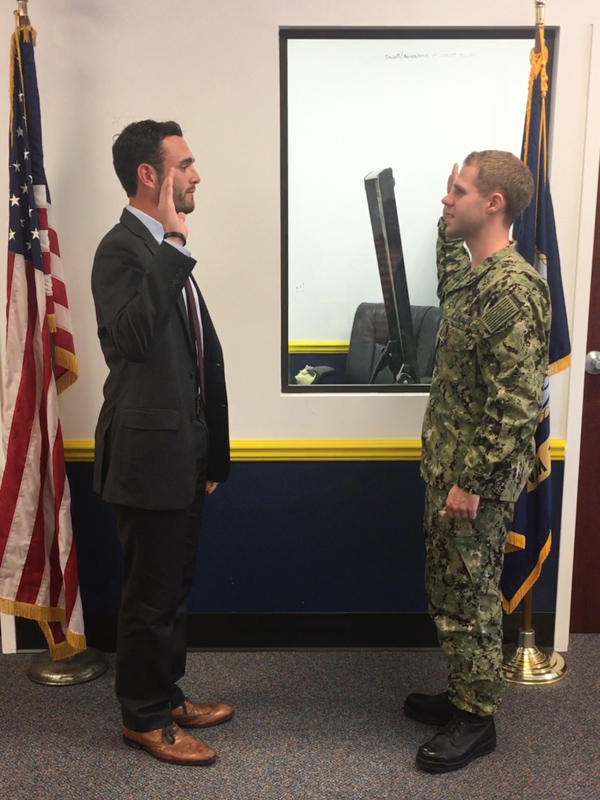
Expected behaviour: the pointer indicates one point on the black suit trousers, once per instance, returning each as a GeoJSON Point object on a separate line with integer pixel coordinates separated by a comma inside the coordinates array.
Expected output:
{"type": "Point", "coordinates": [159, 563]}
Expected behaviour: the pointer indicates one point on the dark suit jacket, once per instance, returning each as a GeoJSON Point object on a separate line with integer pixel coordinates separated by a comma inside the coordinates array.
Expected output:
{"type": "Point", "coordinates": [145, 455]}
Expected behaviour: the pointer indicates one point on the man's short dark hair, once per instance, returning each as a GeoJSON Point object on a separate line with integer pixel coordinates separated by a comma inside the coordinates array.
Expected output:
{"type": "Point", "coordinates": [141, 143]}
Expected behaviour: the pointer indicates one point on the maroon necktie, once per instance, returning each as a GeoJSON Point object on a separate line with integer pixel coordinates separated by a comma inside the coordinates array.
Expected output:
{"type": "Point", "coordinates": [193, 314]}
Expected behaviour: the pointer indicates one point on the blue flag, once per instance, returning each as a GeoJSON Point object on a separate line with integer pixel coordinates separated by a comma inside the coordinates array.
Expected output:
{"type": "Point", "coordinates": [531, 535]}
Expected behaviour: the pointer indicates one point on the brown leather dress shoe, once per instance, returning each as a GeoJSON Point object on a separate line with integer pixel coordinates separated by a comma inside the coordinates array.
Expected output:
{"type": "Point", "coordinates": [171, 744]}
{"type": "Point", "coordinates": [202, 715]}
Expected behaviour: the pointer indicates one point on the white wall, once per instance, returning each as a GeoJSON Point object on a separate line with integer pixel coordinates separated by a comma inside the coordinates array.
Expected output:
{"type": "Point", "coordinates": [214, 67]}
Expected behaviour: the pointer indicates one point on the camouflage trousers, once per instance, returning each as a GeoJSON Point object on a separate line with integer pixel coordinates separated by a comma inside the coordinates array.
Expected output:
{"type": "Point", "coordinates": [462, 577]}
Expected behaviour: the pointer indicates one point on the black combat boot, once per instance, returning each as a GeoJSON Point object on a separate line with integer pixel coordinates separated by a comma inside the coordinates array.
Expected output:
{"type": "Point", "coordinates": [432, 709]}
{"type": "Point", "coordinates": [465, 737]}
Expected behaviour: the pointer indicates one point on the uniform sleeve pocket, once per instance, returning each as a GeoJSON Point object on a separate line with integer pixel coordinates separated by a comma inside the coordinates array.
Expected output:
{"type": "Point", "coordinates": [151, 419]}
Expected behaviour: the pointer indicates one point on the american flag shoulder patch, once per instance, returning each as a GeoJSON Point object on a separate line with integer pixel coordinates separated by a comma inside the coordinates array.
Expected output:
{"type": "Point", "coordinates": [496, 318]}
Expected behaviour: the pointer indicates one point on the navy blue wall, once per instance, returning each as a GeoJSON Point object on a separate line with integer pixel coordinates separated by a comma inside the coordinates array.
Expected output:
{"type": "Point", "coordinates": [339, 537]}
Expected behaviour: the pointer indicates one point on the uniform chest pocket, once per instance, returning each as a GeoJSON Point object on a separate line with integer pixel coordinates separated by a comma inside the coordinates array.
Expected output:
{"type": "Point", "coordinates": [458, 332]}
{"type": "Point", "coordinates": [457, 348]}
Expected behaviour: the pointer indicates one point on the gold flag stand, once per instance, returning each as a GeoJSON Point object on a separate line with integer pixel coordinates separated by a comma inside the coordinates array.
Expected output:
{"type": "Point", "coordinates": [81, 667]}
{"type": "Point", "coordinates": [528, 664]}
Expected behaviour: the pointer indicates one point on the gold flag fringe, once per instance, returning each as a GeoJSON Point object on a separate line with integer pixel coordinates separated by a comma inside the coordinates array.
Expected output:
{"type": "Point", "coordinates": [30, 611]}
{"type": "Point", "coordinates": [43, 615]}
{"type": "Point", "coordinates": [66, 380]}
{"type": "Point", "coordinates": [510, 605]}
{"type": "Point", "coordinates": [74, 643]}
{"type": "Point", "coordinates": [65, 358]}
{"type": "Point", "coordinates": [560, 365]}
{"type": "Point", "coordinates": [515, 541]}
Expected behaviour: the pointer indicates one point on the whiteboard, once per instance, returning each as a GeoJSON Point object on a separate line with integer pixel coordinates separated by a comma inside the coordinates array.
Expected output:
{"type": "Point", "coordinates": [360, 105]}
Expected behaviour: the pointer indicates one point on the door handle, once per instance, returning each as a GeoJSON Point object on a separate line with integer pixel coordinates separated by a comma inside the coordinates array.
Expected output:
{"type": "Point", "coordinates": [592, 362]}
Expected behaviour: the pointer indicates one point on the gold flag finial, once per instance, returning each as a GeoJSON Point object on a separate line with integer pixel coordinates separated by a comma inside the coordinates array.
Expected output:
{"type": "Point", "coordinates": [540, 9]}
{"type": "Point", "coordinates": [23, 16]}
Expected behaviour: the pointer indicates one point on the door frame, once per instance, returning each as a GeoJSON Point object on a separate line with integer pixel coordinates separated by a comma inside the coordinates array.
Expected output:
{"type": "Point", "coordinates": [579, 329]}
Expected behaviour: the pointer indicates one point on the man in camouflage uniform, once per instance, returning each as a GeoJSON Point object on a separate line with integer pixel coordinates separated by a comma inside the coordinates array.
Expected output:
{"type": "Point", "coordinates": [478, 442]}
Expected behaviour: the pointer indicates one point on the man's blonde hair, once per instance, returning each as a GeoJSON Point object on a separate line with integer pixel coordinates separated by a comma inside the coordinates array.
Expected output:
{"type": "Point", "coordinates": [503, 172]}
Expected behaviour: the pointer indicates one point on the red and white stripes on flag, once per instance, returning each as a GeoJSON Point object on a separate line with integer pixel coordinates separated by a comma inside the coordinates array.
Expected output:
{"type": "Point", "coordinates": [38, 563]}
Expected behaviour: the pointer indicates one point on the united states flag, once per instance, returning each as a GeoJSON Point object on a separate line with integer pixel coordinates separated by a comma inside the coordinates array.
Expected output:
{"type": "Point", "coordinates": [38, 564]}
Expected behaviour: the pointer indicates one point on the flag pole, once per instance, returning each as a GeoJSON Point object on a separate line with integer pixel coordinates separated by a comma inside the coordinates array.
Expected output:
{"type": "Point", "coordinates": [526, 663]}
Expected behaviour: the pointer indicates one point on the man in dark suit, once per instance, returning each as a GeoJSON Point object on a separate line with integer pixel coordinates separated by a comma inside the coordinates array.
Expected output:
{"type": "Point", "coordinates": [162, 439]}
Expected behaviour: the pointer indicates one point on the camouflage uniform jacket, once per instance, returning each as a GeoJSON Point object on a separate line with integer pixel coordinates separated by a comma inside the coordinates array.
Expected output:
{"type": "Point", "coordinates": [492, 356]}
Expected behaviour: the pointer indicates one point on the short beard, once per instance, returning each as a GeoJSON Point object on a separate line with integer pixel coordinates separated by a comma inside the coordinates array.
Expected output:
{"type": "Point", "coordinates": [184, 203]}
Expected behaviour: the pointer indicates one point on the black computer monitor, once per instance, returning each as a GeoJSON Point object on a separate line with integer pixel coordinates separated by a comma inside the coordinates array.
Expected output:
{"type": "Point", "coordinates": [400, 354]}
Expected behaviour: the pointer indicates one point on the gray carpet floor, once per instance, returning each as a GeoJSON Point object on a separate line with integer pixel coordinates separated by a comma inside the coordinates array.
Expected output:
{"type": "Point", "coordinates": [309, 726]}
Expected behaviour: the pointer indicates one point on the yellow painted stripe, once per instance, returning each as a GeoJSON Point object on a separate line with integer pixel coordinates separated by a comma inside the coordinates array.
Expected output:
{"type": "Point", "coordinates": [79, 449]}
{"type": "Point", "coordinates": [309, 449]}
{"type": "Point", "coordinates": [318, 346]}
{"type": "Point", "coordinates": [325, 449]}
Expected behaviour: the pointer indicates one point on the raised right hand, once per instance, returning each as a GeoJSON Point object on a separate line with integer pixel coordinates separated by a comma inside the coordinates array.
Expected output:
{"type": "Point", "coordinates": [171, 219]}
{"type": "Point", "coordinates": [452, 178]}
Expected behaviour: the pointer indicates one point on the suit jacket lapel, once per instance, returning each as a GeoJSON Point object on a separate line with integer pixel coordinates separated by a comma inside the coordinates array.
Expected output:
{"type": "Point", "coordinates": [137, 228]}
